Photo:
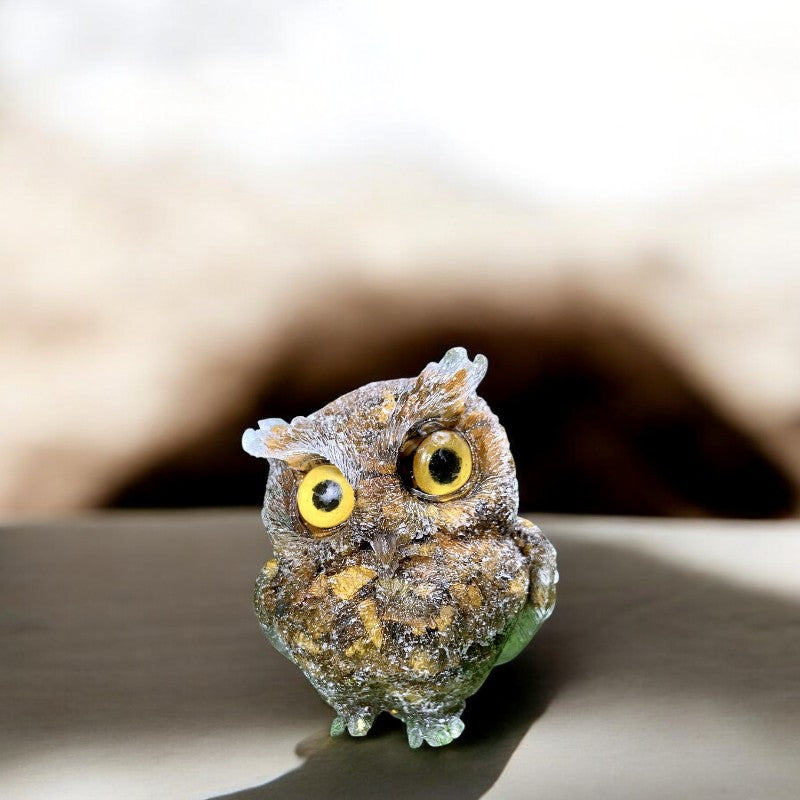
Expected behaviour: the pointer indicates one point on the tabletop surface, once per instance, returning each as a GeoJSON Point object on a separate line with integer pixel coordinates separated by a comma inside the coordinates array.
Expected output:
{"type": "Point", "coordinates": [132, 667]}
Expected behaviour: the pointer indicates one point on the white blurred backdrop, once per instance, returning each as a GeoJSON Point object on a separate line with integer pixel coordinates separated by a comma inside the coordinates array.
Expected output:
{"type": "Point", "coordinates": [574, 101]}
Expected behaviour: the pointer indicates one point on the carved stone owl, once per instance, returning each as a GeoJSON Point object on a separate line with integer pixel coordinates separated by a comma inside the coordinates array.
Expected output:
{"type": "Point", "coordinates": [402, 573]}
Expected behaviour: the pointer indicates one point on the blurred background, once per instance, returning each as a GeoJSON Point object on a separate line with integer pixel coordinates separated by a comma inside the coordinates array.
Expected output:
{"type": "Point", "coordinates": [216, 212]}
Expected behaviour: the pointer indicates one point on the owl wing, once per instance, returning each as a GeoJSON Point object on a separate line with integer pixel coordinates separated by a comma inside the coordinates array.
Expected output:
{"type": "Point", "coordinates": [541, 593]}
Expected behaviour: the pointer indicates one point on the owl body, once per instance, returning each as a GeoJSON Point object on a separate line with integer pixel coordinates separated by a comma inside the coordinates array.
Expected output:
{"type": "Point", "coordinates": [401, 572]}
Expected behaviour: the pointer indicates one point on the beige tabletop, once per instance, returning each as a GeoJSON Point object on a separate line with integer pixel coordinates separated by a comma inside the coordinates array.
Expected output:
{"type": "Point", "coordinates": [132, 667]}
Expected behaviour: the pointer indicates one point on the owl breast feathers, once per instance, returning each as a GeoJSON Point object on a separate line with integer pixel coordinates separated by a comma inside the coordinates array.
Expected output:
{"type": "Point", "coordinates": [401, 572]}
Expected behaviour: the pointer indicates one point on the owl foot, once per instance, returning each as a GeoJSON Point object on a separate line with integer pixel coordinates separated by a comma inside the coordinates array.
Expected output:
{"type": "Point", "coordinates": [338, 726]}
{"type": "Point", "coordinates": [357, 724]}
{"type": "Point", "coordinates": [436, 731]}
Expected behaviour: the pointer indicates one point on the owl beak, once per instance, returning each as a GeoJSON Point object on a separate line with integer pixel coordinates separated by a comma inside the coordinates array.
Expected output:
{"type": "Point", "coordinates": [384, 545]}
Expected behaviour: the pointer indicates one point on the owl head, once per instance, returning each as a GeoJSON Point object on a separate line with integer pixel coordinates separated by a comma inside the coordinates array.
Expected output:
{"type": "Point", "coordinates": [385, 466]}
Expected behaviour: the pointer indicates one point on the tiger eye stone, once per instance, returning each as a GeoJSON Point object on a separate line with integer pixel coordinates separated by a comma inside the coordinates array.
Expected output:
{"type": "Point", "coordinates": [345, 584]}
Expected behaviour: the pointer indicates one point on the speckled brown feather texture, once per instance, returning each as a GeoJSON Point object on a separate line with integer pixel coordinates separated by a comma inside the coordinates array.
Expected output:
{"type": "Point", "coordinates": [407, 605]}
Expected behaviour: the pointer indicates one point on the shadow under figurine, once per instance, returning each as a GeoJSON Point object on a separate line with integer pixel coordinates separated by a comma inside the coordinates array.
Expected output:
{"type": "Point", "coordinates": [402, 573]}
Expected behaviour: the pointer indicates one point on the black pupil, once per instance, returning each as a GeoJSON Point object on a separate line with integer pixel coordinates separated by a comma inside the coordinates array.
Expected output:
{"type": "Point", "coordinates": [444, 465]}
{"type": "Point", "coordinates": [326, 495]}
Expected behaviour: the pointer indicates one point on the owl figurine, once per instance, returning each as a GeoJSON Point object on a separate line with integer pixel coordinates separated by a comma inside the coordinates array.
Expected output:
{"type": "Point", "coordinates": [401, 574]}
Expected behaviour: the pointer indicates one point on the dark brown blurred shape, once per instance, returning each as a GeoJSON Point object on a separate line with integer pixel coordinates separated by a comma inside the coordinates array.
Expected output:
{"type": "Point", "coordinates": [600, 421]}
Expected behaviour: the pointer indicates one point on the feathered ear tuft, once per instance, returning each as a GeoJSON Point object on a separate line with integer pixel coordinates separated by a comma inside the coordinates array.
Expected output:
{"type": "Point", "coordinates": [455, 372]}
{"type": "Point", "coordinates": [262, 443]}
{"type": "Point", "coordinates": [442, 389]}
{"type": "Point", "coordinates": [297, 442]}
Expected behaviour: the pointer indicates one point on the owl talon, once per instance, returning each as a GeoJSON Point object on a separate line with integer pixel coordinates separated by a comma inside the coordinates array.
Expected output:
{"type": "Point", "coordinates": [338, 726]}
{"type": "Point", "coordinates": [437, 732]}
{"type": "Point", "coordinates": [358, 724]}
{"type": "Point", "coordinates": [415, 737]}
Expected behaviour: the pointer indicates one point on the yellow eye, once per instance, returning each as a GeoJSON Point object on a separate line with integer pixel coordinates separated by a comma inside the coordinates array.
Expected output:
{"type": "Point", "coordinates": [442, 463]}
{"type": "Point", "coordinates": [324, 497]}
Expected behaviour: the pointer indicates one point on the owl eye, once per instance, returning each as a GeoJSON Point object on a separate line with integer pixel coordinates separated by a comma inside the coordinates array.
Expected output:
{"type": "Point", "coordinates": [324, 497]}
{"type": "Point", "coordinates": [442, 463]}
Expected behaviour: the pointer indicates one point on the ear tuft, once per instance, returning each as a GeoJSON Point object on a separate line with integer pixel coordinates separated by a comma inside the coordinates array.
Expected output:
{"type": "Point", "coordinates": [455, 366]}
{"type": "Point", "coordinates": [254, 441]}
{"type": "Point", "coordinates": [443, 388]}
